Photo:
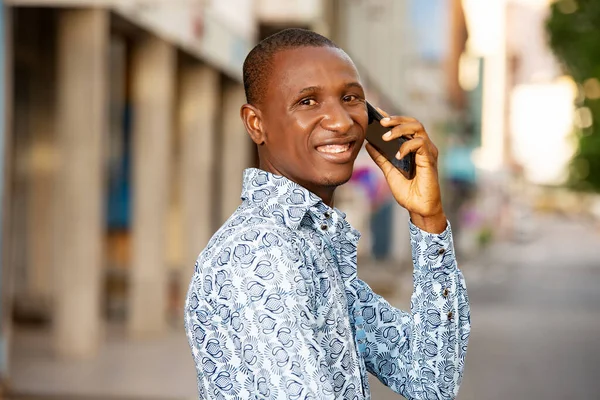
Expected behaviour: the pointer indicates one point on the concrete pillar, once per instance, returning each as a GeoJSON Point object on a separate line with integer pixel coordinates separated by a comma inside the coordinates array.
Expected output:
{"type": "Point", "coordinates": [153, 80]}
{"type": "Point", "coordinates": [199, 100]}
{"type": "Point", "coordinates": [236, 149]}
{"type": "Point", "coordinates": [41, 163]}
{"type": "Point", "coordinates": [81, 115]}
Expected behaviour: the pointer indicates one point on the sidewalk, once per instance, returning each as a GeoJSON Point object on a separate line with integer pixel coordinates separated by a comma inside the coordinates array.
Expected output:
{"type": "Point", "coordinates": [160, 369]}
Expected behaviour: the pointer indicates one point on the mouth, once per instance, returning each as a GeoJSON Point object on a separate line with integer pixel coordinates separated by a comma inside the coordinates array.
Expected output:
{"type": "Point", "coordinates": [334, 148]}
{"type": "Point", "coordinates": [338, 152]}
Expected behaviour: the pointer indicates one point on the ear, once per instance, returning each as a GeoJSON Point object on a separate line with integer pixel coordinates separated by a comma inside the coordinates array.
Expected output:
{"type": "Point", "coordinates": [251, 117]}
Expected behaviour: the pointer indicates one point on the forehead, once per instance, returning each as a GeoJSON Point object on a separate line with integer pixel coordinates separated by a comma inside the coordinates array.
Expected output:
{"type": "Point", "coordinates": [303, 67]}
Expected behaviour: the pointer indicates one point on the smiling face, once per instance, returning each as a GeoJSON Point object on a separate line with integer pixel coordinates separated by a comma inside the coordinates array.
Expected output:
{"type": "Point", "coordinates": [313, 118]}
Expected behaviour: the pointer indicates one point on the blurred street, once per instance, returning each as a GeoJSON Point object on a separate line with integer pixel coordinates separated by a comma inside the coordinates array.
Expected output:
{"type": "Point", "coordinates": [535, 315]}
{"type": "Point", "coordinates": [536, 318]}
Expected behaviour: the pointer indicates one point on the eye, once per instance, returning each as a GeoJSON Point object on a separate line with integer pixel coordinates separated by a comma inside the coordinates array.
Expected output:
{"type": "Point", "coordinates": [307, 102]}
{"type": "Point", "coordinates": [350, 98]}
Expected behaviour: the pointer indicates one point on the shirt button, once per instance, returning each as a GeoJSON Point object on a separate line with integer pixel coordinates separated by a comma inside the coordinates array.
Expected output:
{"type": "Point", "coordinates": [450, 316]}
{"type": "Point", "coordinates": [441, 251]}
{"type": "Point", "coordinates": [327, 214]}
{"type": "Point", "coordinates": [362, 347]}
{"type": "Point", "coordinates": [324, 227]}
{"type": "Point", "coordinates": [445, 292]}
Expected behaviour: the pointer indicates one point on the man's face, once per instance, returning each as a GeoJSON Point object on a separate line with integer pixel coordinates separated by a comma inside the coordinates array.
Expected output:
{"type": "Point", "coordinates": [314, 117]}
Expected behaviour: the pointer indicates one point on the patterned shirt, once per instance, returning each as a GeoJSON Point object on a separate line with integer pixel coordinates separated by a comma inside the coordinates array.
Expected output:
{"type": "Point", "coordinates": [275, 309]}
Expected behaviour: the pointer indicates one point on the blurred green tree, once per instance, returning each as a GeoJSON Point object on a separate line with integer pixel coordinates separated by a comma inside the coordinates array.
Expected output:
{"type": "Point", "coordinates": [574, 35]}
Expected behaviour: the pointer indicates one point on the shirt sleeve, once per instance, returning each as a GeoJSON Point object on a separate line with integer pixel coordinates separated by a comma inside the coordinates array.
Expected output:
{"type": "Point", "coordinates": [249, 323]}
{"type": "Point", "coordinates": [420, 354]}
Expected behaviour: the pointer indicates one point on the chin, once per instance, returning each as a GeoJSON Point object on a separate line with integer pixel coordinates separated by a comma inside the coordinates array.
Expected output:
{"type": "Point", "coordinates": [336, 178]}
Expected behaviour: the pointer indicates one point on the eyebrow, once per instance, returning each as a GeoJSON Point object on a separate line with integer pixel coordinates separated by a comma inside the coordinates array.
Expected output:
{"type": "Point", "coordinates": [313, 89]}
{"type": "Point", "coordinates": [310, 89]}
{"type": "Point", "coordinates": [353, 85]}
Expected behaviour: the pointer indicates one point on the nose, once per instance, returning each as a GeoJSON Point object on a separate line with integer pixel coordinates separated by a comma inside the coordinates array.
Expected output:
{"type": "Point", "coordinates": [336, 118]}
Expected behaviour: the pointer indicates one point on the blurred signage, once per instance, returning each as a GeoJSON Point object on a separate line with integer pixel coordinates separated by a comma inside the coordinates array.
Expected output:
{"type": "Point", "coordinates": [220, 32]}
{"type": "Point", "coordinates": [208, 30]}
{"type": "Point", "coordinates": [176, 20]}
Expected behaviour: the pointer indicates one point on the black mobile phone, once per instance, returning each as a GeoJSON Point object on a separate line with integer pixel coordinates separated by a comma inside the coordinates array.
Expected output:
{"type": "Point", "coordinates": [389, 149]}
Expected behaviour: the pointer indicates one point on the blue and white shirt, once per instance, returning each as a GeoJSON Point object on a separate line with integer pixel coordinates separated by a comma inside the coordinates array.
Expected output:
{"type": "Point", "coordinates": [275, 309]}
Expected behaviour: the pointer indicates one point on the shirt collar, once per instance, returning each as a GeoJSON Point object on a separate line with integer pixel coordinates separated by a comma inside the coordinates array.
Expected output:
{"type": "Point", "coordinates": [279, 197]}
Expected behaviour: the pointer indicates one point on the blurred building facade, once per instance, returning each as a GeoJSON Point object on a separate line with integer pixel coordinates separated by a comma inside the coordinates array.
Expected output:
{"type": "Point", "coordinates": [126, 151]}
{"type": "Point", "coordinates": [124, 146]}
{"type": "Point", "coordinates": [523, 108]}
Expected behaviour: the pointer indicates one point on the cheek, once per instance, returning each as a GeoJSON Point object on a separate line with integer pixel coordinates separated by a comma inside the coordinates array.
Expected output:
{"type": "Point", "coordinates": [291, 140]}
{"type": "Point", "coordinates": [290, 145]}
{"type": "Point", "coordinates": [305, 124]}
{"type": "Point", "coordinates": [362, 120]}
{"type": "Point", "coordinates": [297, 135]}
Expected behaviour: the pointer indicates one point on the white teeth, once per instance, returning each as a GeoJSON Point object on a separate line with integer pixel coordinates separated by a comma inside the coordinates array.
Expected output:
{"type": "Point", "coordinates": [334, 148]}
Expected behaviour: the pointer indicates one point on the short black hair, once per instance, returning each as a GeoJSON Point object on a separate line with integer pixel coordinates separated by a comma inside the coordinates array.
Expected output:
{"type": "Point", "coordinates": [258, 63]}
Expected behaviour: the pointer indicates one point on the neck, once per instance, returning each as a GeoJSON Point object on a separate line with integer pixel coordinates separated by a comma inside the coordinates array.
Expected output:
{"type": "Point", "coordinates": [326, 194]}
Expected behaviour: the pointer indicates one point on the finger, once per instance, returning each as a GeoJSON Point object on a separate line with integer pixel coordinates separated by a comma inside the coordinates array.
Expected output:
{"type": "Point", "coordinates": [386, 115]}
{"type": "Point", "coordinates": [434, 150]}
{"type": "Point", "coordinates": [396, 120]}
{"type": "Point", "coordinates": [411, 128]}
{"type": "Point", "coordinates": [417, 145]}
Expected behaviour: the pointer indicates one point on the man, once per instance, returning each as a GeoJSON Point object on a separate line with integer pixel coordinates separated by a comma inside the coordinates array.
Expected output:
{"type": "Point", "coordinates": [275, 309]}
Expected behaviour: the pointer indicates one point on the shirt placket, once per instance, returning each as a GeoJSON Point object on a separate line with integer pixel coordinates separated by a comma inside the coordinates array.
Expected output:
{"type": "Point", "coordinates": [360, 336]}
{"type": "Point", "coordinates": [328, 227]}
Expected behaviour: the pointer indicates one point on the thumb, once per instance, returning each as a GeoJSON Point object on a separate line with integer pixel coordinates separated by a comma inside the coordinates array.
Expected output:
{"type": "Point", "coordinates": [382, 162]}
{"type": "Point", "coordinates": [398, 184]}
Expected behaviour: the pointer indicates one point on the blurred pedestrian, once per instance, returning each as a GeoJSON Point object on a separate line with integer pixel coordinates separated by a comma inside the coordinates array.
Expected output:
{"type": "Point", "coordinates": [275, 309]}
